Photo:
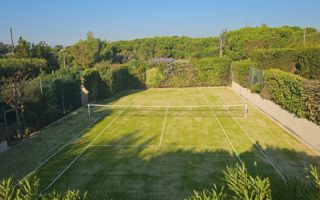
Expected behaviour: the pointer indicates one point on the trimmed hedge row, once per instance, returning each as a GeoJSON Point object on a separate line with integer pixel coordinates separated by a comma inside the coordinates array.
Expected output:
{"type": "Point", "coordinates": [240, 71]}
{"type": "Point", "coordinates": [311, 96]}
{"type": "Point", "coordinates": [27, 66]}
{"type": "Point", "coordinates": [293, 93]}
{"type": "Point", "coordinates": [213, 71]}
{"type": "Point", "coordinates": [201, 72]}
{"type": "Point", "coordinates": [284, 59]}
{"type": "Point", "coordinates": [60, 95]}
{"type": "Point", "coordinates": [302, 61]}
{"type": "Point", "coordinates": [285, 89]}
{"type": "Point", "coordinates": [308, 63]}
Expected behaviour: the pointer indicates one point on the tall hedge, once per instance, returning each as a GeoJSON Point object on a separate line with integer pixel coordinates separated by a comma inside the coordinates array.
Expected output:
{"type": "Point", "coordinates": [285, 89]}
{"type": "Point", "coordinates": [311, 96]}
{"type": "Point", "coordinates": [59, 95]}
{"type": "Point", "coordinates": [92, 82]}
{"type": "Point", "coordinates": [309, 62]}
{"type": "Point", "coordinates": [213, 71]}
{"type": "Point", "coordinates": [27, 66]}
{"type": "Point", "coordinates": [240, 71]}
{"type": "Point", "coordinates": [284, 59]}
{"type": "Point", "coordinates": [154, 77]}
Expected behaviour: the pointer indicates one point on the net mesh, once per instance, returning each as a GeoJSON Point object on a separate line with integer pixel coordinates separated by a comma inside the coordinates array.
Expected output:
{"type": "Point", "coordinates": [177, 111]}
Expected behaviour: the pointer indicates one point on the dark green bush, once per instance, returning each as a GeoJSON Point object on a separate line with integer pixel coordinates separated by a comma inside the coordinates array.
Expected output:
{"type": "Point", "coordinates": [311, 95]}
{"type": "Point", "coordinates": [284, 59]}
{"type": "Point", "coordinates": [308, 64]}
{"type": "Point", "coordinates": [27, 66]}
{"type": "Point", "coordinates": [285, 89]}
{"type": "Point", "coordinates": [92, 82]}
{"type": "Point", "coordinates": [240, 71]}
{"type": "Point", "coordinates": [60, 95]}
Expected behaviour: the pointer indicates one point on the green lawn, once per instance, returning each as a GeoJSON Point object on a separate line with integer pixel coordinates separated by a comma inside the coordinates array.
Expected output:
{"type": "Point", "coordinates": [156, 155]}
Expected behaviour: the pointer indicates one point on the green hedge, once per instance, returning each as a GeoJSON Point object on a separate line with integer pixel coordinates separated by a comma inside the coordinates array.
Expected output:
{"type": "Point", "coordinates": [284, 59]}
{"type": "Point", "coordinates": [285, 89]}
{"type": "Point", "coordinates": [27, 66]}
{"type": "Point", "coordinates": [311, 96]}
{"type": "Point", "coordinates": [154, 77]}
{"type": "Point", "coordinates": [60, 95]}
{"type": "Point", "coordinates": [309, 63]}
{"type": "Point", "coordinates": [213, 71]}
{"type": "Point", "coordinates": [181, 73]}
{"type": "Point", "coordinates": [92, 82]}
{"type": "Point", "coordinates": [240, 71]}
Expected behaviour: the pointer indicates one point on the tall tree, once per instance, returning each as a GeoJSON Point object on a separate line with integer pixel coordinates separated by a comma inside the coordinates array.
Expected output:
{"type": "Point", "coordinates": [22, 50]}
{"type": "Point", "coordinates": [86, 52]}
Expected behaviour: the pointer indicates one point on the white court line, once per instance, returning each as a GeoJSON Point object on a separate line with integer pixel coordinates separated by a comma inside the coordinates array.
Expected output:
{"type": "Point", "coordinates": [225, 133]}
{"type": "Point", "coordinates": [163, 126]}
{"type": "Point", "coordinates": [60, 149]}
{"type": "Point", "coordinates": [257, 146]}
{"type": "Point", "coordinates": [150, 145]}
{"type": "Point", "coordinates": [168, 106]}
{"type": "Point", "coordinates": [82, 152]}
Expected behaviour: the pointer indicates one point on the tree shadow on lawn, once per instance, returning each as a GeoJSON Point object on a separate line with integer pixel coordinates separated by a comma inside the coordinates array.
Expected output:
{"type": "Point", "coordinates": [133, 168]}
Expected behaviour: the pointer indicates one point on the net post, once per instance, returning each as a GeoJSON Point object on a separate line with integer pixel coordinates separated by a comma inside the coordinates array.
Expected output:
{"type": "Point", "coordinates": [89, 109]}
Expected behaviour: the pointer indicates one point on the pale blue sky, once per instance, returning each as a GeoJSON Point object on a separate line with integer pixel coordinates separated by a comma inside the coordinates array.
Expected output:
{"type": "Point", "coordinates": [67, 21]}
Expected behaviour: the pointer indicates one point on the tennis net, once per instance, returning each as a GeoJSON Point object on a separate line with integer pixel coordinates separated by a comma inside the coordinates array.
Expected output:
{"type": "Point", "coordinates": [178, 111]}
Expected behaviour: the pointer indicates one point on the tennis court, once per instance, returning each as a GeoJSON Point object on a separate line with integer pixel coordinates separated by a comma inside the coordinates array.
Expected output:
{"type": "Point", "coordinates": [163, 144]}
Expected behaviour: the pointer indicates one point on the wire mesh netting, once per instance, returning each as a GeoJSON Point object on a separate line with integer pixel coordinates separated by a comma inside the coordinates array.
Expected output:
{"type": "Point", "coordinates": [255, 76]}
{"type": "Point", "coordinates": [176, 111]}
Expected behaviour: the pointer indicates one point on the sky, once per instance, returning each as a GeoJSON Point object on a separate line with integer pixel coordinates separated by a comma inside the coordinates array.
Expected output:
{"type": "Point", "coordinates": [67, 21]}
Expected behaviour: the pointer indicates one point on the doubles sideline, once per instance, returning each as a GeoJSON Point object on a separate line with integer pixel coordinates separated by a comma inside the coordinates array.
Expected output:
{"type": "Point", "coordinates": [85, 148]}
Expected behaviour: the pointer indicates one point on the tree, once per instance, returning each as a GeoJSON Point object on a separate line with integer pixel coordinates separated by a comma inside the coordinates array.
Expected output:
{"type": "Point", "coordinates": [43, 50]}
{"type": "Point", "coordinates": [22, 50]}
{"type": "Point", "coordinates": [86, 52]}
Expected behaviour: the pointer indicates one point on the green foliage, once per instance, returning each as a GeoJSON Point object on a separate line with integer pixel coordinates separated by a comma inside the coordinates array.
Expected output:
{"type": "Point", "coordinates": [244, 186]}
{"type": "Point", "coordinates": [44, 51]}
{"type": "Point", "coordinates": [284, 59]}
{"type": "Point", "coordinates": [29, 190]}
{"type": "Point", "coordinates": [285, 89]}
{"type": "Point", "coordinates": [213, 194]}
{"type": "Point", "coordinates": [86, 52]}
{"type": "Point", "coordinates": [154, 77]}
{"type": "Point", "coordinates": [27, 66]}
{"type": "Point", "coordinates": [157, 47]}
{"type": "Point", "coordinates": [240, 71]}
{"type": "Point", "coordinates": [311, 96]}
{"type": "Point", "coordinates": [92, 82]}
{"type": "Point", "coordinates": [22, 50]}
{"type": "Point", "coordinates": [309, 63]}
{"type": "Point", "coordinates": [60, 95]}
{"type": "Point", "coordinates": [241, 43]}
{"type": "Point", "coordinates": [213, 71]}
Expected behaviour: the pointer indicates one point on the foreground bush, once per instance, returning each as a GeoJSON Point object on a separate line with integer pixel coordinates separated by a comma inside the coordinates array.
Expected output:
{"type": "Point", "coordinates": [29, 190]}
{"type": "Point", "coordinates": [239, 184]}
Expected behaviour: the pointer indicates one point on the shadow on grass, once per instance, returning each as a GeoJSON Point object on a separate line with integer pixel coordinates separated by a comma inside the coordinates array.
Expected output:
{"type": "Point", "coordinates": [132, 167]}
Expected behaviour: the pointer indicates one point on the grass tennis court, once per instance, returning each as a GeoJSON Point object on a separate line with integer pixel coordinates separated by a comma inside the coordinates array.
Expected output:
{"type": "Point", "coordinates": [156, 154]}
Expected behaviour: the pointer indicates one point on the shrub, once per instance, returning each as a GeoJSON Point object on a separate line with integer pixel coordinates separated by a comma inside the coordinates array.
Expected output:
{"type": "Point", "coordinates": [309, 63]}
{"type": "Point", "coordinates": [213, 71]}
{"type": "Point", "coordinates": [311, 96]}
{"type": "Point", "coordinates": [154, 77]}
{"type": "Point", "coordinates": [286, 90]}
{"type": "Point", "coordinates": [29, 190]}
{"type": "Point", "coordinates": [27, 66]}
{"type": "Point", "coordinates": [284, 59]}
{"type": "Point", "coordinates": [92, 82]}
